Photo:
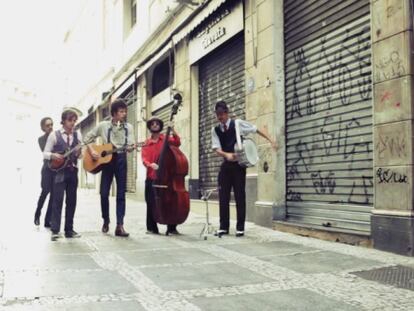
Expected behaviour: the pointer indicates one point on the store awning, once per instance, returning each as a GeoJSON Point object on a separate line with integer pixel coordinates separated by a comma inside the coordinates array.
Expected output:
{"type": "Point", "coordinates": [210, 8]}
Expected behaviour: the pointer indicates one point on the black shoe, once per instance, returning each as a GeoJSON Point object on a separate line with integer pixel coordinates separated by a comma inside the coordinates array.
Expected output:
{"type": "Point", "coordinates": [120, 231]}
{"type": "Point", "coordinates": [105, 227]}
{"type": "Point", "coordinates": [173, 231]}
{"type": "Point", "coordinates": [239, 234]}
{"type": "Point", "coordinates": [37, 220]}
{"type": "Point", "coordinates": [221, 232]}
{"type": "Point", "coordinates": [55, 236]}
{"type": "Point", "coordinates": [72, 234]}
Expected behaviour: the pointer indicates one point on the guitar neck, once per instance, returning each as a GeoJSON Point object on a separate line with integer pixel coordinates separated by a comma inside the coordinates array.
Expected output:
{"type": "Point", "coordinates": [123, 148]}
{"type": "Point", "coordinates": [69, 152]}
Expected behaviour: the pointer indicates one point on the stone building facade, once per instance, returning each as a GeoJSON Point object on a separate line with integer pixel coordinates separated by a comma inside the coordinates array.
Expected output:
{"type": "Point", "coordinates": [329, 80]}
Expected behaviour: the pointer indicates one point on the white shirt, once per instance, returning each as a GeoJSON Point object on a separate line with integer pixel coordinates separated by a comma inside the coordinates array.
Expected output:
{"type": "Point", "coordinates": [117, 133]}
{"type": "Point", "coordinates": [244, 127]}
{"type": "Point", "coordinates": [52, 140]}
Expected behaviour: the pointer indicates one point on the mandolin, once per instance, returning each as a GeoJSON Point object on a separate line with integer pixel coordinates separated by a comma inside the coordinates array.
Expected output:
{"type": "Point", "coordinates": [59, 164]}
{"type": "Point", "coordinates": [105, 152]}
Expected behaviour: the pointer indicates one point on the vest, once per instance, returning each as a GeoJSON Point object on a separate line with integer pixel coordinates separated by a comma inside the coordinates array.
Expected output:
{"type": "Point", "coordinates": [227, 138]}
{"type": "Point", "coordinates": [61, 147]}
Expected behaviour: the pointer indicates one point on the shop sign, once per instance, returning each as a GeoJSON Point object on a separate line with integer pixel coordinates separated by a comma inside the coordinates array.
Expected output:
{"type": "Point", "coordinates": [221, 27]}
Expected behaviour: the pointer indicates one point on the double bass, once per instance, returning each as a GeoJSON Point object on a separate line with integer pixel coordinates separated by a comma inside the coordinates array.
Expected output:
{"type": "Point", "coordinates": [172, 200]}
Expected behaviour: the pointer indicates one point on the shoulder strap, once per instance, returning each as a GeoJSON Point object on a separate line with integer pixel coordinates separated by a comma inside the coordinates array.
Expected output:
{"type": "Point", "coordinates": [109, 134]}
{"type": "Point", "coordinates": [126, 133]}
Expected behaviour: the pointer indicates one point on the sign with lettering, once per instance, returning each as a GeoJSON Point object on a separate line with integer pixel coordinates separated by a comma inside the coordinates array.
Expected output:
{"type": "Point", "coordinates": [219, 28]}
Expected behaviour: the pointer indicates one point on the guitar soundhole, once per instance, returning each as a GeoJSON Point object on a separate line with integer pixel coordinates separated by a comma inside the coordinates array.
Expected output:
{"type": "Point", "coordinates": [104, 154]}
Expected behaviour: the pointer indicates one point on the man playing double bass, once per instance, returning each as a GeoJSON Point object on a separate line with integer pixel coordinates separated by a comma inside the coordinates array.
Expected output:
{"type": "Point", "coordinates": [150, 154]}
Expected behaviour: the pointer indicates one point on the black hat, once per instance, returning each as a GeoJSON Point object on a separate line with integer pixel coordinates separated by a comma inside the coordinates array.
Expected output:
{"type": "Point", "coordinates": [155, 119]}
{"type": "Point", "coordinates": [221, 106]}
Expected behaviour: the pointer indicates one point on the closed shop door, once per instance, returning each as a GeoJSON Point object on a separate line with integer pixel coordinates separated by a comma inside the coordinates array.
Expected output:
{"type": "Point", "coordinates": [329, 114]}
{"type": "Point", "coordinates": [221, 77]}
{"type": "Point", "coordinates": [130, 98]}
{"type": "Point", "coordinates": [87, 179]}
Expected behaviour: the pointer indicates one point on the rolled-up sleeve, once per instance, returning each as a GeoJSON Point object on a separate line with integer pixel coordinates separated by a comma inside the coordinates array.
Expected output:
{"type": "Point", "coordinates": [51, 141]}
{"type": "Point", "coordinates": [246, 127]}
{"type": "Point", "coordinates": [145, 155]}
{"type": "Point", "coordinates": [91, 135]}
{"type": "Point", "coordinates": [215, 141]}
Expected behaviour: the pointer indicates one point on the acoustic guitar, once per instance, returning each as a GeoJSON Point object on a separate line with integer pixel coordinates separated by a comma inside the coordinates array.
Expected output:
{"type": "Point", "coordinates": [105, 152]}
{"type": "Point", "coordinates": [59, 164]}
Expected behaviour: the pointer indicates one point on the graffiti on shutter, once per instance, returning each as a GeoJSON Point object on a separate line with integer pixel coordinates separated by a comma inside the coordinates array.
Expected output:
{"type": "Point", "coordinates": [328, 89]}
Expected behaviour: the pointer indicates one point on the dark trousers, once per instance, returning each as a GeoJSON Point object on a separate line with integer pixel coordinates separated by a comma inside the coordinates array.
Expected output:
{"type": "Point", "coordinates": [118, 168]}
{"type": "Point", "coordinates": [232, 175]}
{"type": "Point", "coordinates": [65, 182]}
{"type": "Point", "coordinates": [46, 185]}
{"type": "Point", "coordinates": [150, 199]}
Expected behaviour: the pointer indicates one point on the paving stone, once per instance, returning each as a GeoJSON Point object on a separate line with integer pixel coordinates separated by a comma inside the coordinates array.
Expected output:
{"type": "Point", "coordinates": [64, 283]}
{"type": "Point", "coordinates": [269, 248]}
{"type": "Point", "coordinates": [223, 274]}
{"type": "Point", "coordinates": [168, 256]}
{"type": "Point", "coordinates": [265, 270]}
{"type": "Point", "coordinates": [96, 306]}
{"type": "Point", "coordinates": [321, 262]}
{"type": "Point", "coordinates": [45, 261]}
{"type": "Point", "coordinates": [106, 243]}
{"type": "Point", "coordinates": [294, 299]}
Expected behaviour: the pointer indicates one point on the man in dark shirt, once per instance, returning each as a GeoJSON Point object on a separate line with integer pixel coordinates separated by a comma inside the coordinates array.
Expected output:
{"type": "Point", "coordinates": [46, 124]}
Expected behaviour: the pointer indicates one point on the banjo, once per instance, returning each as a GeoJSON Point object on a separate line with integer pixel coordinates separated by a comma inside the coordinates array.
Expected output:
{"type": "Point", "coordinates": [245, 149]}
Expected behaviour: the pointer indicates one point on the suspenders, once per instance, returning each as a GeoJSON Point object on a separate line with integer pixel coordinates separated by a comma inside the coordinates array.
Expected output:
{"type": "Point", "coordinates": [126, 135]}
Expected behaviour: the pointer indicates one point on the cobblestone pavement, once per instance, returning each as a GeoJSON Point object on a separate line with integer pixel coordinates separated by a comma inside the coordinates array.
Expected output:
{"type": "Point", "coordinates": [265, 270]}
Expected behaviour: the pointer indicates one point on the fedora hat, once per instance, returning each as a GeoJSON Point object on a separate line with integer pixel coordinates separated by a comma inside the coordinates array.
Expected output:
{"type": "Point", "coordinates": [155, 119]}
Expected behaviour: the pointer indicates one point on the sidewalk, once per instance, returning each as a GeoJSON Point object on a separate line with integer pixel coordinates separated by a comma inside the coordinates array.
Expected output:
{"type": "Point", "coordinates": [265, 270]}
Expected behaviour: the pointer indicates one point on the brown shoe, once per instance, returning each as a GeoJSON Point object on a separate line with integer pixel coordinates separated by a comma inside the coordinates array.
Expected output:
{"type": "Point", "coordinates": [120, 231]}
{"type": "Point", "coordinates": [105, 227]}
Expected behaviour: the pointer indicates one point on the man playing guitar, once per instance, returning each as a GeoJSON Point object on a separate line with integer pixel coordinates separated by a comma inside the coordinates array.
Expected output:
{"type": "Point", "coordinates": [66, 179]}
{"type": "Point", "coordinates": [121, 134]}
{"type": "Point", "coordinates": [231, 175]}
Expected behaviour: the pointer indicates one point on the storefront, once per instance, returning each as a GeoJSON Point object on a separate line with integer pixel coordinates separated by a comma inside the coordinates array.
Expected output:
{"type": "Point", "coordinates": [216, 47]}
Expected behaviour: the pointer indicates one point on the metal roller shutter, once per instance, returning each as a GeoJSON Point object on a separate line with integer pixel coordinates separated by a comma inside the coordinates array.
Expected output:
{"type": "Point", "coordinates": [164, 114]}
{"type": "Point", "coordinates": [221, 77]}
{"type": "Point", "coordinates": [130, 98]}
{"type": "Point", "coordinates": [87, 179]}
{"type": "Point", "coordinates": [329, 114]}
